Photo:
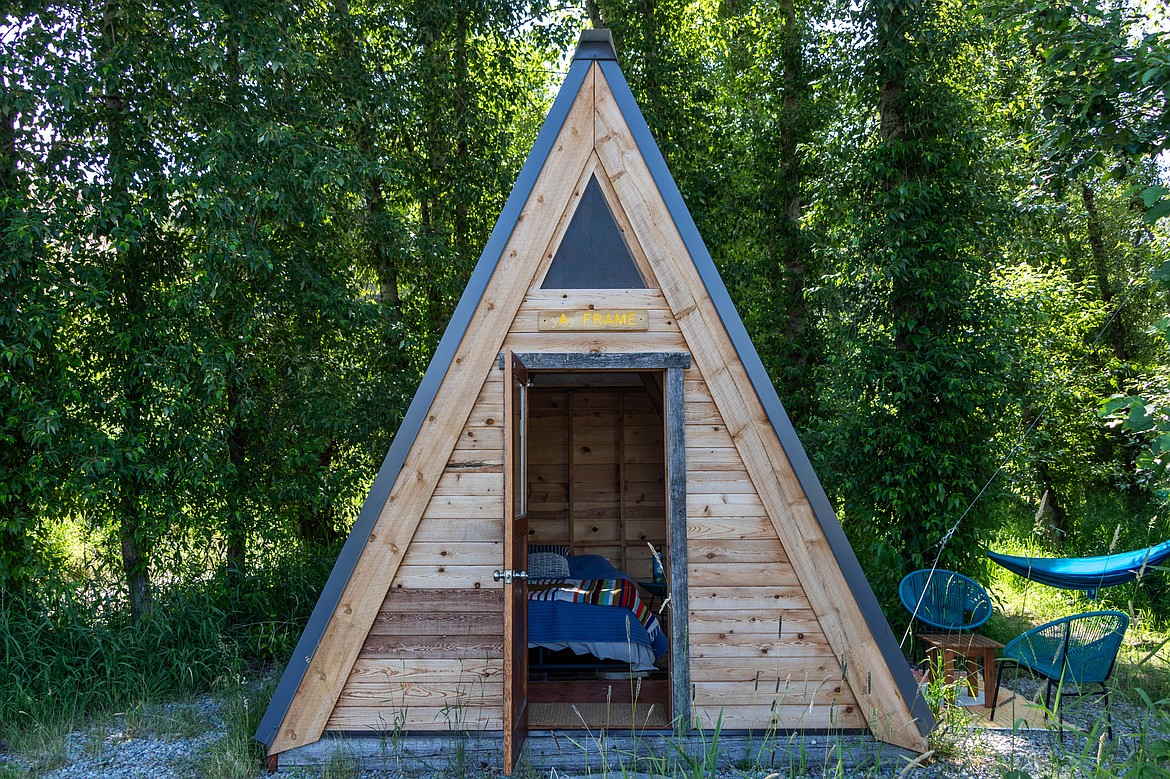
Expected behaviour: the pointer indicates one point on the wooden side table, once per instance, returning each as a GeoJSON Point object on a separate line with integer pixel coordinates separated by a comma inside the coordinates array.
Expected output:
{"type": "Point", "coordinates": [972, 647]}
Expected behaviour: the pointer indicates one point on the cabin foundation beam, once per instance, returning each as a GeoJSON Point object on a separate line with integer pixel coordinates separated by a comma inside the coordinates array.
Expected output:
{"type": "Point", "coordinates": [582, 753]}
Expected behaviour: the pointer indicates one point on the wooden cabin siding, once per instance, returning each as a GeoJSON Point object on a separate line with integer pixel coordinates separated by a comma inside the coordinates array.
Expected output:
{"type": "Point", "coordinates": [433, 658]}
{"type": "Point", "coordinates": [758, 655]}
{"type": "Point", "coordinates": [432, 661]}
{"type": "Point", "coordinates": [757, 652]}
{"type": "Point", "coordinates": [662, 336]}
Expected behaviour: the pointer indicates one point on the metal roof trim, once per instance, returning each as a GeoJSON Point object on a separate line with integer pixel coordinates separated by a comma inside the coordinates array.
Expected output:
{"type": "Point", "coordinates": [596, 44]}
{"type": "Point", "coordinates": [810, 483]}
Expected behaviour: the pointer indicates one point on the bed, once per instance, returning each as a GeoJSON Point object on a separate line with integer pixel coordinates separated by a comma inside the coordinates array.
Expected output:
{"type": "Point", "coordinates": [592, 609]}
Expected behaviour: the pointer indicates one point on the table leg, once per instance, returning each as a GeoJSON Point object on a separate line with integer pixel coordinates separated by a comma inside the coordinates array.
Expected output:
{"type": "Point", "coordinates": [971, 664]}
{"type": "Point", "coordinates": [949, 667]}
{"type": "Point", "coordinates": [988, 682]}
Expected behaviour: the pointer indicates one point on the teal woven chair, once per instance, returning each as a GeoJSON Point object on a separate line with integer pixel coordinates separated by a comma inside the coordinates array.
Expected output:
{"type": "Point", "coordinates": [1071, 652]}
{"type": "Point", "coordinates": [945, 600]}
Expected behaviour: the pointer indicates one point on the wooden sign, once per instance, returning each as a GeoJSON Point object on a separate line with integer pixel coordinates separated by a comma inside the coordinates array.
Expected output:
{"type": "Point", "coordinates": [590, 319]}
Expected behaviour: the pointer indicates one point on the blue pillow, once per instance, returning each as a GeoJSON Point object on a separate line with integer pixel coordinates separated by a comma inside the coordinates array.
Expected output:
{"type": "Point", "coordinates": [593, 566]}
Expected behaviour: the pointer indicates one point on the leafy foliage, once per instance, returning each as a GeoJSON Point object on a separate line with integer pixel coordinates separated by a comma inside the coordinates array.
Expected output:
{"type": "Point", "coordinates": [234, 235]}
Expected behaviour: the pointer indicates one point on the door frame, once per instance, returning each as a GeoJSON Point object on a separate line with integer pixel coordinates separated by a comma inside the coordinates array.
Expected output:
{"type": "Point", "coordinates": [515, 577]}
{"type": "Point", "coordinates": [673, 364]}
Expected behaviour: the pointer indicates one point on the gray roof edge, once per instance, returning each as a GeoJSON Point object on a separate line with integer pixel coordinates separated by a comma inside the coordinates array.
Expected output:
{"type": "Point", "coordinates": [766, 391]}
{"type": "Point", "coordinates": [412, 422]}
{"type": "Point", "coordinates": [595, 44]}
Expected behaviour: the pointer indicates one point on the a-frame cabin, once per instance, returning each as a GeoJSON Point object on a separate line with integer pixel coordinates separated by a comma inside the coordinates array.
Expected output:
{"type": "Point", "coordinates": [596, 391]}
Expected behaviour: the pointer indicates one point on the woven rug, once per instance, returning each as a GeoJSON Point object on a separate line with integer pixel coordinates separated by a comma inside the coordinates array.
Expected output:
{"type": "Point", "coordinates": [1012, 710]}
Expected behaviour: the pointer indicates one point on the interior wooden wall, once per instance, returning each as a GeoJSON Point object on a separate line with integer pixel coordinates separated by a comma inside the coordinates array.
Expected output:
{"type": "Point", "coordinates": [597, 474]}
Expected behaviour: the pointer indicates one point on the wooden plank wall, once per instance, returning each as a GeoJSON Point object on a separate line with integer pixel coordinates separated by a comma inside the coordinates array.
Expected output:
{"type": "Point", "coordinates": [433, 658]}
{"type": "Point", "coordinates": [449, 666]}
{"type": "Point", "coordinates": [598, 474]}
{"type": "Point", "coordinates": [758, 654]}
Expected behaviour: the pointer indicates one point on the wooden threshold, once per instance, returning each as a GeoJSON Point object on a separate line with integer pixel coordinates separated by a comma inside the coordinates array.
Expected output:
{"type": "Point", "coordinates": [641, 691]}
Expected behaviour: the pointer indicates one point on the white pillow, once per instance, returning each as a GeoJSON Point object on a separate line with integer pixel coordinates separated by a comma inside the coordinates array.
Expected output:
{"type": "Point", "coordinates": [547, 565]}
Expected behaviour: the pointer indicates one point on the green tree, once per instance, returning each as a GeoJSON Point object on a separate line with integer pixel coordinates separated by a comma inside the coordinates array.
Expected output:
{"type": "Point", "coordinates": [30, 380]}
{"type": "Point", "coordinates": [757, 227]}
{"type": "Point", "coordinates": [920, 385]}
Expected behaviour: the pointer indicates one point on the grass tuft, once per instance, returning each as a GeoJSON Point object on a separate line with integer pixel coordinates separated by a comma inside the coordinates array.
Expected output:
{"type": "Point", "coordinates": [237, 755]}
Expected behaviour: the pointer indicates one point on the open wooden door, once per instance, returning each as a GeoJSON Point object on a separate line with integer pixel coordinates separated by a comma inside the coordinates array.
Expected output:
{"type": "Point", "coordinates": [515, 575]}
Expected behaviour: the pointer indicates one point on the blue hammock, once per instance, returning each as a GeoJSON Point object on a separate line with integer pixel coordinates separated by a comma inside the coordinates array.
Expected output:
{"type": "Point", "coordinates": [1084, 573]}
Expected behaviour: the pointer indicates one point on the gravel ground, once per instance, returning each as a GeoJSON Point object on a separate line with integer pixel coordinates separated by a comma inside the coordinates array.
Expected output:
{"type": "Point", "coordinates": [173, 741]}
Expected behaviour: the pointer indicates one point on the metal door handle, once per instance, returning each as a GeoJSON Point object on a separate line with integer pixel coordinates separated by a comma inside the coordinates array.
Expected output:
{"type": "Point", "coordinates": [509, 575]}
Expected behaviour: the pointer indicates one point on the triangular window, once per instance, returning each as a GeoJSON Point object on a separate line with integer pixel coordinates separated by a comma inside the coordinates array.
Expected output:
{"type": "Point", "coordinates": [593, 254]}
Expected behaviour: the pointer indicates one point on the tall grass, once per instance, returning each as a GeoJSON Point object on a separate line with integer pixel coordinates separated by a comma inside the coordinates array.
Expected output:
{"type": "Point", "coordinates": [69, 648]}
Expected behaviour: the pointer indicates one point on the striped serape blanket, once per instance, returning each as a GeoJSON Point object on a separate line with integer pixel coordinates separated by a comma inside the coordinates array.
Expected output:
{"type": "Point", "coordinates": [600, 592]}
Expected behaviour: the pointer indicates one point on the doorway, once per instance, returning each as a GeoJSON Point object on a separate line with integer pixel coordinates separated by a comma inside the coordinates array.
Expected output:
{"type": "Point", "coordinates": [605, 483]}
{"type": "Point", "coordinates": [596, 484]}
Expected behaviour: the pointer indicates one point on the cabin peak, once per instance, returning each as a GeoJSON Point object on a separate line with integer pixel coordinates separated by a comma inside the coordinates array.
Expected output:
{"type": "Point", "coordinates": [595, 45]}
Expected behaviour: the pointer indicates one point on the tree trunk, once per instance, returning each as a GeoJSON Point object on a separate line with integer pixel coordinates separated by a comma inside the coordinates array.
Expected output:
{"type": "Point", "coordinates": [1096, 233]}
{"type": "Point", "coordinates": [1097, 243]}
{"type": "Point", "coordinates": [795, 247]}
{"type": "Point", "coordinates": [385, 268]}
{"type": "Point", "coordinates": [1050, 517]}
{"type": "Point", "coordinates": [236, 551]}
{"type": "Point", "coordinates": [595, 17]}
{"type": "Point", "coordinates": [129, 260]}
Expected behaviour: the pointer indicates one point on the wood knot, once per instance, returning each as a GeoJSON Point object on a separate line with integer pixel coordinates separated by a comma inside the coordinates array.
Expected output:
{"type": "Point", "coordinates": [490, 421]}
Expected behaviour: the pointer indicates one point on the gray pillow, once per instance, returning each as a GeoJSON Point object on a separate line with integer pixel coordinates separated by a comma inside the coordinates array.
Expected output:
{"type": "Point", "coordinates": [547, 565]}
